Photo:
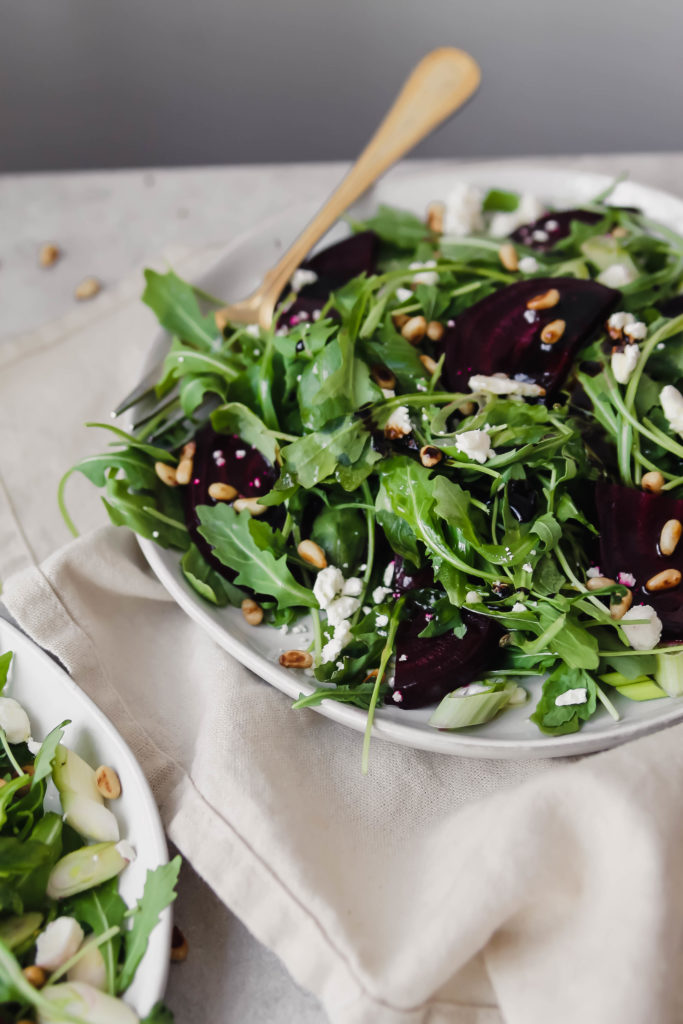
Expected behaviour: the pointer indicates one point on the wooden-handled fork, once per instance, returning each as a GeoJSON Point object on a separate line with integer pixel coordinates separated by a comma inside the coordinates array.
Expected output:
{"type": "Point", "coordinates": [435, 89]}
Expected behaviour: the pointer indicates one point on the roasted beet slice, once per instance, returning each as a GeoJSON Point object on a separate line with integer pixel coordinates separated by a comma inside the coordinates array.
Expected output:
{"type": "Point", "coordinates": [544, 233]}
{"type": "Point", "coordinates": [630, 523]}
{"type": "Point", "coordinates": [334, 266]}
{"type": "Point", "coordinates": [428, 668]}
{"type": "Point", "coordinates": [672, 307]}
{"type": "Point", "coordinates": [500, 334]}
{"type": "Point", "coordinates": [225, 459]}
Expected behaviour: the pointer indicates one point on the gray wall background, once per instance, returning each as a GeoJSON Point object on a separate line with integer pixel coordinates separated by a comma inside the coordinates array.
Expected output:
{"type": "Point", "coordinates": [125, 83]}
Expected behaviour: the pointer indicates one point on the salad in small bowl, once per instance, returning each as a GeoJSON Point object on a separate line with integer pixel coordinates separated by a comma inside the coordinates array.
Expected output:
{"type": "Point", "coordinates": [452, 466]}
{"type": "Point", "coordinates": [84, 875]}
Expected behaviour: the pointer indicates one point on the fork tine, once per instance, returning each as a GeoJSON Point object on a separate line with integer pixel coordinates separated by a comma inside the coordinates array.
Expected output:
{"type": "Point", "coordinates": [140, 391]}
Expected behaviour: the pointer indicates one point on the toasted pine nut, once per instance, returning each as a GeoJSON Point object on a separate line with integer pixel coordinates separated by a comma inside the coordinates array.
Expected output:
{"type": "Point", "coordinates": [553, 331]}
{"type": "Point", "coordinates": [435, 215]}
{"type": "Point", "coordinates": [87, 289]}
{"type": "Point", "coordinates": [546, 300]}
{"type": "Point", "coordinates": [430, 456]}
{"type": "Point", "coordinates": [414, 330]}
{"type": "Point", "coordinates": [429, 364]}
{"type": "Point", "coordinates": [251, 505]}
{"type": "Point", "coordinates": [185, 466]}
{"type": "Point", "coordinates": [49, 254]}
{"type": "Point", "coordinates": [619, 609]}
{"type": "Point", "coordinates": [383, 376]}
{"type": "Point", "coordinates": [400, 320]}
{"type": "Point", "coordinates": [507, 254]}
{"type": "Point", "coordinates": [35, 975]}
{"type": "Point", "coordinates": [619, 232]}
{"type": "Point", "coordinates": [670, 536]}
{"type": "Point", "coordinates": [222, 492]}
{"type": "Point", "coordinates": [296, 659]}
{"type": "Point", "coordinates": [667, 579]}
{"type": "Point", "coordinates": [652, 481]}
{"type": "Point", "coordinates": [221, 319]}
{"type": "Point", "coordinates": [435, 330]}
{"type": "Point", "coordinates": [108, 783]}
{"type": "Point", "coordinates": [598, 582]}
{"type": "Point", "coordinates": [252, 612]}
{"type": "Point", "coordinates": [467, 408]}
{"type": "Point", "coordinates": [166, 473]}
{"type": "Point", "coordinates": [312, 553]}
{"type": "Point", "coordinates": [179, 946]}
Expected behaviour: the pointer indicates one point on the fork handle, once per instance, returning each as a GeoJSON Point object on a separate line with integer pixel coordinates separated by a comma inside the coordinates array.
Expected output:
{"type": "Point", "coordinates": [442, 81]}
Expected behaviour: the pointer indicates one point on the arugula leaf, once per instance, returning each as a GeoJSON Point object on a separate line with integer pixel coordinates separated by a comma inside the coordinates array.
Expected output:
{"type": "Point", "coordinates": [159, 893]}
{"type": "Point", "coordinates": [233, 544]}
{"type": "Point", "coordinates": [5, 662]}
{"type": "Point", "coordinates": [175, 304]}
{"type": "Point", "coordinates": [498, 200]}
{"type": "Point", "coordinates": [398, 227]}
{"type": "Point", "coordinates": [207, 582]}
{"type": "Point", "coordinates": [401, 537]}
{"type": "Point", "coordinates": [236, 418]}
{"type": "Point", "coordinates": [7, 794]}
{"type": "Point", "coordinates": [138, 512]}
{"type": "Point", "coordinates": [101, 908]}
{"type": "Point", "coordinates": [568, 718]}
{"type": "Point", "coordinates": [42, 766]}
{"type": "Point", "coordinates": [159, 1014]}
{"type": "Point", "coordinates": [445, 618]}
{"type": "Point", "coordinates": [17, 857]}
{"type": "Point", "coordinates": [314, 457]}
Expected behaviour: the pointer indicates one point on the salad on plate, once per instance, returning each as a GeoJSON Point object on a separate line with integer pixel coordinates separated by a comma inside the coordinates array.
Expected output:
{"type": "Point", "coordinates": [69, 944]}
{"type": "Point", "coordinates": [452, 466]}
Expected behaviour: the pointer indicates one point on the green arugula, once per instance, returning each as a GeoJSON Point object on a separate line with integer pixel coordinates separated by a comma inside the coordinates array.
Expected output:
{"type": "Point", "coordinates": [159, 893]}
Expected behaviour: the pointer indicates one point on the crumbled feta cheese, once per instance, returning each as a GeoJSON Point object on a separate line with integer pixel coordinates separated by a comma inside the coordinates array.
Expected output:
{"type": "Point", "coordinates": [577, 696]}
{"type": "Point", "coordinates": [388, 574]}
{"type": "Point", "coordinates": [340, 638]}
{"type": "Point", "coordinates": [528, 567]}
{"type": "Point", "coordinates": [528, 264]}
{"type": "Point", "coordinates": [620, 319]}
{"type": "Point", "coordinates": [397, 696]}
{"type": "Point", "coordinates": [379, 593]}
{"type": "Point", "coordinates": [126, 850]}
{"type": "Point", "coordinates": [300, 278]}
{"type": "Point", "coordinates": [518, 607]}
{"type": "Point", "coordinates": [14, 720]}
{"type": "Point", "coordinates": [616, 276]}
{"type": "Point", "coordinates": [366, 609]}
{"type": "Point", "coordinates": [528, 210]}
{"type": "Point", "coordinates": [539, 235]}
{"type": "Point", "coordinates": [627, 579]}
{"type": "Point", "coordinates": [382, 620]}
{"type": "Point", "coordinates": [300, 628]}
{"type": "Point", "coordinates": [476, 444]}
{"type": "Point", "coordinates": [341, 608]}
{"type": "Point", "coordinates": [252, 330]}
{"type": "Point", "coordinates": [647, 635]}
{"type": "Point", "coordinates": [672, 403]}
{"type": "Point", "coordinates": [58, 942]}
{"type": "Point", "coordinates": [388, 393]}
{"type": "Point", "coordinates": [624, 363]}
{"type": "Point", "coordinates": [472, 597]}
{"type": "Point", "coordinates": [353, 587]}
{"type": "Point", "coordinates": [462, 215]}
{"type": "Point", "coordinates": [339, 666]}
{"type": "Point", "coordinates": [403, 294]}
{"type": "Point", "coordinates": [398, 424]}
{"type": "Point", "coordinates": [328, 584]}
{"type": "Point", "coordinates": [531, 316]}
{"type": "Point", "coordinates": [594, 571]}
{"type": "Point", "coordinates": [503, 385]}
{"type": "Point", "coordinates": [403, 657]}
{"type": "Point", "coordinates": [552, 225]}
{"type": "Point", "coordinates": [240, 453]}
{"type": "Point", "coordinates": [636, 331]}
{"type": "Point", "coordinates": [426, 275]}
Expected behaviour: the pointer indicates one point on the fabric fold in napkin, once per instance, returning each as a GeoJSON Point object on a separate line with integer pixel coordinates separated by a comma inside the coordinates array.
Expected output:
{"type": "Point", "coordinates": [436, 890]}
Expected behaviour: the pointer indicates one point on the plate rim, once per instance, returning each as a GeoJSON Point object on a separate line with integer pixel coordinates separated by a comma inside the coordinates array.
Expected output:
{"type": "Point", "coordinates": [444, 742]}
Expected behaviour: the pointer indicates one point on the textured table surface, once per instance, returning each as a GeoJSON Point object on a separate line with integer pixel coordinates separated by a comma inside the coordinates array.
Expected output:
{"type": "Point", "coordinates": [107, 224]}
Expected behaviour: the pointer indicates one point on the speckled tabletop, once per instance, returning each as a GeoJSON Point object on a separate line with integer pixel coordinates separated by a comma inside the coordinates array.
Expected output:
{"type": "Point", "coordinates": [108, 223]}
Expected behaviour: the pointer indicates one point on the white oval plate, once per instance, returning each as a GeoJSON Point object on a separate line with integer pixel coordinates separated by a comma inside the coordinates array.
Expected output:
{"type": "Point", "coordinates": [236, 274]}
{"type": "Point", "coordinates": [49, 696]}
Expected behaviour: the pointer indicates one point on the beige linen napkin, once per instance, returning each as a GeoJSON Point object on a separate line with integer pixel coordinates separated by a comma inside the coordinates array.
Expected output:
{"type": "Point", "coordinates": [431, 892]}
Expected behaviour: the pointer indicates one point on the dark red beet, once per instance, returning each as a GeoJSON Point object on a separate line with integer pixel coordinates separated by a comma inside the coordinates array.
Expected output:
{"type": "Point", "coordinates": [428, 668]}
{"type": "Point", "coordinates": [672, 307]}
{"type": "Point", "coordinates": [407, 577]}
{"type": "Point", "coordinates": [250, 473]}
{"type": "Point", "coordinates": [630, 523]}
{"type": "Point", "coordinates": [500, 335]}
{"type": "Point", "coordinates": [555, 226]}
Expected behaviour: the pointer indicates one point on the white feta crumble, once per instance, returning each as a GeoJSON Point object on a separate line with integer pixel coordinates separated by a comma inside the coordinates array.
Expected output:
{"type": "Point", "coordinates": [539, 235]}
{"type": "Point", "coordinates": [379, 593]}
{"type": "Point", "coordinates": [240, 453]}
{"type": "Point", "coordinates": [252, 330]}
{"type": "Point", "coordinates": [620, 319]}
{"type": "Point", "coordinates": [341, 608]}
{"type": "Point", "coordinates": [427, 274]}
{"type": "Point", "coordinates": [340, 638]}
{"type": "Point", "coordinates": [528, 264]}
{"type": "Point", "coordinates": [300, 628]}
{"type": "Point", "coordinates": [552, 225]}
{"type": "Point", "coordinates": [594, 571]}
{"type": "Point", "coordinates": [636, 331]}
{"type": "Point", "coordinates": [528, 567]}
{"type": "Point", "coordinates": [627, 579]}
{"type": "Point", "coordinates": [126, 850]}
{"type": "Point", "coordinates": [403, 294]}
{"type": "Point", "coordinates": [388, 574]}
{"type": "Point", "coordinates": [403, 657]}
{"type": "Point", "coordinates": [503, 385]}
{"type": "Point", "coordinates": [300, 278]}
{"type": "Point", "coordinates": [397, 696]}
{"type": "Point", "coordinates": [366, 609]}
{"type": "Point", "coordinates": [577, 696]}
{"type": "Point", "coordinates": [672, 403]}
{"type": "Point", "coordinates": [388, 393]}
{"type": "Point", "coordinates": [647, 635]}
{"type": "Point", "coordinates": [518, 607]}
{"type": "Point", "coordinates": [476, 444]}
{"type": "Point", "coordinates": [624, 362]}
{"type": "Point", "coordinates": [14, 720]}
{"type": "Point", "coordinates": [462, 214]}
{"type": "Point", "coordinates": [58, 942]}
{"type": "Point", "coordinates": [382, 620]}
{"type": "Point", "coordinates": [398, 424]}
{"type": "Point", "coordinates": [531, 316]}
{"type": "Point", "coordinates": [339, 666]}
{"type": "Point", "coordinates": [616, 276]}
{"type": "Point", "coordinates": [328, 584]}
{"type": "Point", "coordinates": [352, 587]}
{"type": "Point", "coordinates": [472, 597]}
{"type": "Point", "coordinates": [528, 210]}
